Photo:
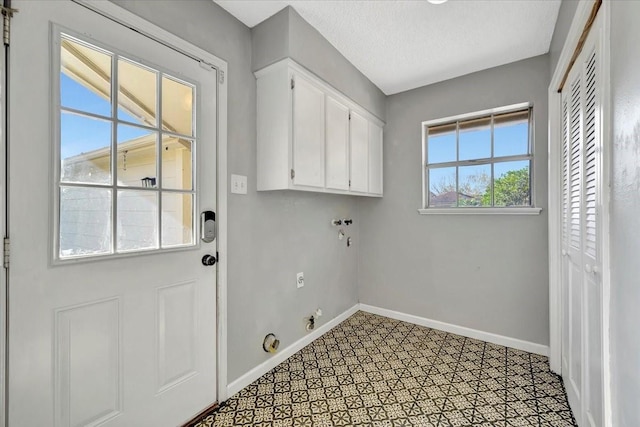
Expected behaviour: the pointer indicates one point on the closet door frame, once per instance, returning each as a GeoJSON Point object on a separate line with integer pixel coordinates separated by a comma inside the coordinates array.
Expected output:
{"type": "Point", "coordinates": [580, 19]}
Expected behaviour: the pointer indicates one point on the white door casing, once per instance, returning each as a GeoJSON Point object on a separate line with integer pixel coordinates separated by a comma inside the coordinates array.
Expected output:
{"type": "Point", "coordinates": [122, 341]}
{"type": "Point", "coordinates": [583, 348]}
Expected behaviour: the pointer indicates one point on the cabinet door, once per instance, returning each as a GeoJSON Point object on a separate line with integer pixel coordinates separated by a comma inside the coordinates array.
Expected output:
{"type": "Point", "coordinates": [375, 159]}
{"type": "Point", "coordinates": [359, 143]}
{"type": "Point", "coordinates": [308, 134]}
{"type": "Point", "coordinates": [337, 128]}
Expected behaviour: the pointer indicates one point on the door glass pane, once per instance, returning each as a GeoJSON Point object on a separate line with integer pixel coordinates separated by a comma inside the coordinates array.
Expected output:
{"type": "Point", "coordinates": [441, 143]}
{"type": "Point", "coordinates": [177, 106]}
{"type": "Point", "coordinates": [85, 221]}
{"type": "Point", "coordinates": [474, 183]}
{"type": "Point", "coordinates": [85, 149]}
{"type": "Point", "coordinates": [137, 148]}
{"type": "Point", "coordinates": [511, 184]}
{"type": "Point", "coordinates": [176, 163]}
{"type": "Point", "coordinates": [177, 219]}
{"type": "Point", "coordinates": [511, 134]}
{"type": "Point", "coordinates": [85, 78]}
{"type": "Point", "coordinates": [137, 220]}
{"type": "Point", "coordinates": [475, 139]}
{"type": "Point", "coordinates": [137, 93]}
{"type": "Point", "coordinates": [442, 187]}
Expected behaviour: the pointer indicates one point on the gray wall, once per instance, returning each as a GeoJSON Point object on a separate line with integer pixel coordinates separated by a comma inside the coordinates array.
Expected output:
{"type": "Point", "coordinates": [486, 272]}
{"type": "Point", "coordinates": [625, 213]}
{"type": "Point", "coordinates": [565, 16]}
{"type": "Point", "coordinates": [272, 235]}
{"type": "Point", "coordinates": [287, 34]}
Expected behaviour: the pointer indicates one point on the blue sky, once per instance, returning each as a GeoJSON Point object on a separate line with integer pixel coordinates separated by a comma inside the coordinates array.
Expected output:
{"type": "Point", "coordinates": [508, 140]}
{"type": "Point", "coordinates": [81, 134]}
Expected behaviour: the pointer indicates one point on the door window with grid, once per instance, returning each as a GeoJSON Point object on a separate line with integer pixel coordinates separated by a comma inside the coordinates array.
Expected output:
{"type": "Point", "coordinates": [125, 168]}
{"type": "Point", "coordinates": [480, 160]}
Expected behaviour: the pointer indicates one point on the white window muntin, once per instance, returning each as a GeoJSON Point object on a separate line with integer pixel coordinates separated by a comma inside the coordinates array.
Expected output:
{"type": "Point", "coordinates": [491, 160]}
{"type": "Point", "coordinates": [62, 34]}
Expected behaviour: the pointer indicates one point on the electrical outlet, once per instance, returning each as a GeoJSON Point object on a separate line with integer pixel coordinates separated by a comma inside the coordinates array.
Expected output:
{"type": "Point", "coordinates": [238, 184]}
{"type": "Point", "coordinates": [300, 280]}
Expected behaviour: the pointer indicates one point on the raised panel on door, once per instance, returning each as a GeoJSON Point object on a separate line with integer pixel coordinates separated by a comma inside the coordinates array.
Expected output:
{"type": "Point", "coordinates": [337, 143]}
{"type": "Point", "coordinates": [88, 367]}
{"type": "Point", "coordinates": [375, 158]}
{"type": "Point", "coordinates": [308, 133]}
{"type": "Point", "coordinates": [359, 153]}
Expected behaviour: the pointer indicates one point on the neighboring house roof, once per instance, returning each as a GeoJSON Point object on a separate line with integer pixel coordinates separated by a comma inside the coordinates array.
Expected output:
{"type": "Point", "coordinates": [137, 86]}
{"type": "Point", "coordinates": [447, 199]}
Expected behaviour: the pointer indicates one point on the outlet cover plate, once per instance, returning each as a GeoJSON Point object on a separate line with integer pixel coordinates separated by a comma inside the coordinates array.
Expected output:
{"type": "Point", "coordinates": [300, 280]}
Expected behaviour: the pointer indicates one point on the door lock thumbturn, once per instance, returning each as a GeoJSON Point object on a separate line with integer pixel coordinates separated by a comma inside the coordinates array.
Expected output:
{"type": "Point", "coordinates": [208, 260]}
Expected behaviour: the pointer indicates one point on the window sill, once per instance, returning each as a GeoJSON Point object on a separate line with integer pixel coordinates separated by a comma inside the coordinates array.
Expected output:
{"type": "Point", "coordinates": [480, 211]}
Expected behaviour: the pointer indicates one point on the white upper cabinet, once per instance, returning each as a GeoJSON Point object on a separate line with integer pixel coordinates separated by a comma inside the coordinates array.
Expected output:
{"type": "Point", "coordinates": [359, 141]}
{"type": "Point", "coordinates": [308, 134]}
{"type": "Point", "coordinates": [313, 138]}
{"type": "Point", "coordinates": [337, 144]}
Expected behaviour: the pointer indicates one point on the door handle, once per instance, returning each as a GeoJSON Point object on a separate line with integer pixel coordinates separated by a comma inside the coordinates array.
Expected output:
{"type": "Point", "coordinates": [208, 260]}
{"type": "Point", "coordinates": [564, 252]}
{"type": "Point", "coordinates": [588, 268]}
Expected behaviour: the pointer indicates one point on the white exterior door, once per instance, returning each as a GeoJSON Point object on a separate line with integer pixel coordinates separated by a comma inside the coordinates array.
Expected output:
{"type": "Point", "coordinates": [582, 333]}
{"type": "Point", "coordinates": [112, 314]}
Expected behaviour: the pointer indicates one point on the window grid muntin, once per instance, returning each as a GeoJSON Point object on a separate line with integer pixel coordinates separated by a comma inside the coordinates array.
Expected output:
{"type": "Point", "coordinates": [115, 121]}
{"type": "Point", "coordinates": [488, 160]}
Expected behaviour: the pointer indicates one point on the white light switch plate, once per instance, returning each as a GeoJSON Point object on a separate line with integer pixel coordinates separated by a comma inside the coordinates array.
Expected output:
{"type": "Point", "coordinates": [238, 184]}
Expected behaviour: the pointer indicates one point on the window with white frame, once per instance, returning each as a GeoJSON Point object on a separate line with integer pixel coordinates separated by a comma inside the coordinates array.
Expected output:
{"type": "Point", "coordinates": [126, 151]}
{"type": "Point", "coordinates": [479, 160]}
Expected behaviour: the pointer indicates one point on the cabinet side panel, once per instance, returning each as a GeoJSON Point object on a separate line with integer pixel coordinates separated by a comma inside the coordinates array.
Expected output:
{"type": "Point", "coordinates": [273, 130]}
{"type": "Point", "coordinates": [375, 158]}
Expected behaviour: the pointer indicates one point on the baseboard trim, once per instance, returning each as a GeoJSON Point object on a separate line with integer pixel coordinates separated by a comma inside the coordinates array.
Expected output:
{"type": "Point", "coordinates": [246, 379]}
{"type": "Point", "coordinates": [459, 330]}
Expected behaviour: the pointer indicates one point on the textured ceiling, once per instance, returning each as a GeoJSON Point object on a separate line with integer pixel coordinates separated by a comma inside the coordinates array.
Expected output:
{"type": "Point", "coordinates": [400, 45]}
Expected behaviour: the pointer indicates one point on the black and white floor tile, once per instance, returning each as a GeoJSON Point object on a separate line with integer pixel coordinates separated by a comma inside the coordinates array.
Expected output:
{"type": "Point", "coordinates": [375, 371]}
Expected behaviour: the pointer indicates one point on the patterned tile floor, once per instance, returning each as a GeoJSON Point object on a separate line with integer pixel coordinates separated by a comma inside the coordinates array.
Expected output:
{"type": "Point", "coordinates": [375, 371]}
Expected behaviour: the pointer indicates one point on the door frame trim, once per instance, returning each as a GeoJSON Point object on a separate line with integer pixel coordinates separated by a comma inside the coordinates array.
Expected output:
{"type": "Point", "coordinates": [3, 230]}
{"type": "Point", "coordinates": [580, 18]}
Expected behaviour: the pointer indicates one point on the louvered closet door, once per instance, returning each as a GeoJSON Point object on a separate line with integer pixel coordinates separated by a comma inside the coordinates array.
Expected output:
{"type": "Point", "coordinates": [592, 289]}
{"type": "Point", "coordinates": [582, 349]}
{"type": "Point", "coordinates": [572, 261]}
